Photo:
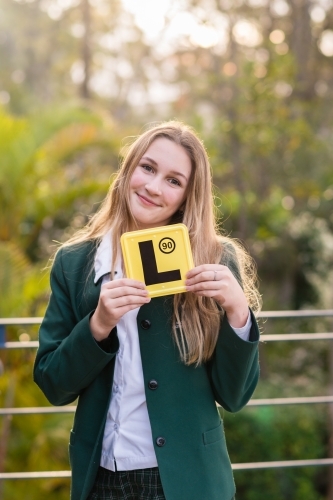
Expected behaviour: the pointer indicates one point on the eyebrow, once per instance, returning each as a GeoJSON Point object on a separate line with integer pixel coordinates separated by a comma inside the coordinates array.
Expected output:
{"type": "Point", "coordinates": [174, 172]}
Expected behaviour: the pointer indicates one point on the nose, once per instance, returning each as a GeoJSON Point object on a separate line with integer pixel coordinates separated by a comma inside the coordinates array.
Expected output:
{"type": "Point", "coordinates": [153, 186]}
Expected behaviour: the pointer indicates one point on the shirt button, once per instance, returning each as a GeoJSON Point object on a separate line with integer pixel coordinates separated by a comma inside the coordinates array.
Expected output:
{"type": "Point", "coordinates": [116, 388]}
{"type": "Point", "coordinates": [115, 427]}
{"type": "Point", "coordinates": [160, 441]}
{"type": "Point", "coordinates": [145, 323]}
{"type": "Point", "coordinates": [153, 384]}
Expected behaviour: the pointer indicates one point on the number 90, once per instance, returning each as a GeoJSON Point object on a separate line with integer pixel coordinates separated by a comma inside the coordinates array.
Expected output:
{"type": "Point", "coordinates": [167, 245]}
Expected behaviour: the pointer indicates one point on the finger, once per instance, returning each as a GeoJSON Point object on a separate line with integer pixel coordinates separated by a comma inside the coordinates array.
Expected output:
{"type": "Point", "coordinates": [204, 286]}
{"type": "Point", "coordinates": [113, 293]}
{"type": "Point", "coordinates": [206, 268]}
{"type": "Point", "coordinates": [205, 293]}
{"type": "Point", "coordinates": [211, 275]}
{"type": "Point", "coordinates": [124, 282]}
{"type": "Point", "coordinates": [129, 299]}
{"type": "Point", "coordinates": [196, 270]}
{"type": "Point", "coordinates": [124, 309]}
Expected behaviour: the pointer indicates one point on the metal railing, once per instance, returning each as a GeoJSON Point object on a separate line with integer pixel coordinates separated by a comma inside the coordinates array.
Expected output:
{"type": "Point", "coordinates": [252, 403]}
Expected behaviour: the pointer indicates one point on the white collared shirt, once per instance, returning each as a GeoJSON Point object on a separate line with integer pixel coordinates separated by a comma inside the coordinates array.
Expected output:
{"type": "Point", "coordinates": [127, 441]}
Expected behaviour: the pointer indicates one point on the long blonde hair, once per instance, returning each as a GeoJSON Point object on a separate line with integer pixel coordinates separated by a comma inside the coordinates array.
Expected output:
{"type": "Point", "coordinates": [196, 320]}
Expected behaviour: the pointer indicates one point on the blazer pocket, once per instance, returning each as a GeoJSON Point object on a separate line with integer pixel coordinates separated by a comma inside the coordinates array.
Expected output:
{"type": "Point", "coordinates": [213, 435]}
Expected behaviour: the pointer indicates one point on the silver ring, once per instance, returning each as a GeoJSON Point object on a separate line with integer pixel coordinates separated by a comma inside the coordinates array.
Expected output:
{"type": "Point", "coordinates": [215, 273]}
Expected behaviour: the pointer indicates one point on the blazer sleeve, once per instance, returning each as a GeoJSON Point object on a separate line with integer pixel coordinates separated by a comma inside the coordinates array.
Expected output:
{"type": "Point", "coordinates": [234, 366]}
{"type": "Point", "coordinates": [68, 358]}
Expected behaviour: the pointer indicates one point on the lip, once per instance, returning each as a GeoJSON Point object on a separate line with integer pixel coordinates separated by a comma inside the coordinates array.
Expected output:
{"type": "Point", "coordinates": [146, 201]}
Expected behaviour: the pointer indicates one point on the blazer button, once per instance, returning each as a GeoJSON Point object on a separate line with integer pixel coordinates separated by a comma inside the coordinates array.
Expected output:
{"type": "Point", "coordinates": [153, 385]}
{"type": "Point", "coordinates": [145, 323]}
{"type": "Point", "coordinates": [160, 441]}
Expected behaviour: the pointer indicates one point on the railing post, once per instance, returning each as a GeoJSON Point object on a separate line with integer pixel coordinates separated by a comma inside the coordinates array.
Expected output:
{"type": "Point", "coordinates": [2, 335]}
{"type": "Point", "coordinates": [330, 419]}
{"type": "Point", "coordinates": [6, 427]}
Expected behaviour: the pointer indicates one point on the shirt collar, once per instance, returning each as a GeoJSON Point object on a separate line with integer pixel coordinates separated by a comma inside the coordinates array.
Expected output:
{"type": "Point", "coordinates": [103, 258]}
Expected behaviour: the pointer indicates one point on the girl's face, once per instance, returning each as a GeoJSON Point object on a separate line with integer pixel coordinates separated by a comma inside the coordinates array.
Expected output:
{"type": "Point", "coordinates": [158, 184]}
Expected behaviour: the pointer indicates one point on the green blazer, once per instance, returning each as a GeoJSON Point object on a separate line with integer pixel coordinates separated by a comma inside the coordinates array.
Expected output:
{"type": "Point", "coordinates": [193, 460]}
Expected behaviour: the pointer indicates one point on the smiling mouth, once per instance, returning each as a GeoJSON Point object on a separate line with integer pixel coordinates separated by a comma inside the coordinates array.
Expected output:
{"type": "Point", "coordinates": [147, 201]}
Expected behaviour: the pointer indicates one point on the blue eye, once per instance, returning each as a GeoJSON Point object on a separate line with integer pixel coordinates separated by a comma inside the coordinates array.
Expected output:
{"type": "Point", "coordinates": [147, 167]}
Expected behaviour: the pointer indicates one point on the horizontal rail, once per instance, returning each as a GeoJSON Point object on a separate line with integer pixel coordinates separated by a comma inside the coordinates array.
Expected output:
{"type": "Point", "coordinates": [37, 410]}
{"type": "Point", "coordinates": [290, 401]}
{"type": "Point", "coordinates": [254, 402]}
{"type": "Point", "coordinates": [33, 344]}
{"type": "Point", "coordinates": [282, 464]}
{"type": "Point", "coordinates": [30, 344]}
{"type": "Point", "coordinates": [278, 337]}
{"type": "Point", "coordinates": [302, 313]}
{"type": "Point", "coordinates": [21, 321]}
{"type": "Point", "coordinates": [35, 475]}
{"type": "Point", "coordinates": [246, 466]}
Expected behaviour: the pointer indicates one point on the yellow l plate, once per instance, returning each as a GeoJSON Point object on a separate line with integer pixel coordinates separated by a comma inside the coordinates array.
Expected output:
{"type": "Point", "coordinates": [160, 257]}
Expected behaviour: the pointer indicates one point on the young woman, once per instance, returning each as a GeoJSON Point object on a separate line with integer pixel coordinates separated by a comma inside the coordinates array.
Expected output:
{"type": "Point", "coordinates": [148, 373]}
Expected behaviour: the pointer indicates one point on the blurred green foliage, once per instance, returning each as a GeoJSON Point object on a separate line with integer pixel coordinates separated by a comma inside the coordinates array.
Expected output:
{"type": "Point", "coordinates": [269, 434]}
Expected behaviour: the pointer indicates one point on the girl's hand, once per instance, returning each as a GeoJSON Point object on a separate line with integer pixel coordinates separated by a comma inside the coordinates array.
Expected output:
{"type": "Point", "coordinates": [117, 297]}
{"type": "Point", "coordinates": [218, 282]}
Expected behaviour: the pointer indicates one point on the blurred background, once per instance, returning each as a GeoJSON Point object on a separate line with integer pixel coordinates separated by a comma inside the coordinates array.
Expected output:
{"type": "Point", "coordinates": [255, 79]}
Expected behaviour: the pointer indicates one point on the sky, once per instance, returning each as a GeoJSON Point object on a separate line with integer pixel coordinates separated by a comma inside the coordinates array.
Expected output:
{"type": "Point", "coordinates": [174, 20]}
{"type": "Point", "coordinates": [167, 24]}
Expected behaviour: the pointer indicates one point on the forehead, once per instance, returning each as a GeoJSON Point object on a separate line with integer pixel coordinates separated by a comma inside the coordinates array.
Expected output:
{"type": "Point", "coordinates": [168, 154]}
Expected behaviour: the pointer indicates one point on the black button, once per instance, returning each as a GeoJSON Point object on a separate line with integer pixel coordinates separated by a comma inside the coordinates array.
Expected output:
{"type": "Point", "coordinates": [153, 385]}
{"type": "Point", "coordinates": [160, 441]}
{"type": "Point", "coordinates": [145, 323]}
